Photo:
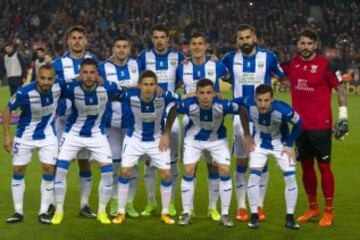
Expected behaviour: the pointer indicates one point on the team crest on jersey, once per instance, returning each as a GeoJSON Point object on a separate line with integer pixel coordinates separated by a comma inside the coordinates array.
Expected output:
{"type": "Point", "coordinates": [313, 68]}
{"type": "Point", "coordinates": [210, 72]}
{"type": "Point", "coordinates": [173, 61]}
{"type": "Point", "coordinates": [132, 69]}
{"type": "Point", "coordinates": [260, 64]}
{"type": "Point", "coordinates": [159, 104]}
{"type": "Point", "coordinates": [275, 123]}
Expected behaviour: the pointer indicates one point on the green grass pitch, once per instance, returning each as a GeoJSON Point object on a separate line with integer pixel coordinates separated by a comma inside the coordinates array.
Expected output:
{"type": "Point", "coordinates": [346, 168]}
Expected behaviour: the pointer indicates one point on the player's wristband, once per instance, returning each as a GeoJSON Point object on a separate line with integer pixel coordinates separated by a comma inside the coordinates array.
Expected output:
{"type": "Point", "coordinates": [343, 112]}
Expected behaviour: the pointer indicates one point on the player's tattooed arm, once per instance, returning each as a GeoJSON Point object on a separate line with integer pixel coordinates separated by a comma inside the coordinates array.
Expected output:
{"type": "Point", "coordinates": [248, 141]}
{"type": "Point", "coordinates": [6, 129]}
{"type": "Point", "coordinates": [165, 137]}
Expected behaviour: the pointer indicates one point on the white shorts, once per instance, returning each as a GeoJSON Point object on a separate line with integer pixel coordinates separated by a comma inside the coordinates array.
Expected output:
{"type": "Point", "coordinates": [238, 140]}
{"type": "Point", "coordinates": [60, 123]}
{"type": "Point", "coordinates": [116, 138]}
{"type": "Point", "coordinates": [259, 157]}
{"type": "Point", "coordinates": [134, 148]}
{"type": "Point", "coordinates": [97, 145]}
{"type": "Point", "coordinates": [22, 150]}
{"type": "Point", "coordinates": [217, 150]}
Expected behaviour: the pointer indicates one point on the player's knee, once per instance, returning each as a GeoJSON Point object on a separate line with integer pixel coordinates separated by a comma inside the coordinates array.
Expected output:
{"type": "Point", "coordinates": [242, 162]}
{"type": "Point", "coordinates": [126, 172]}
{"type": "Point", "coordinates": [48, 168]}
{"type": "Point", "coordinates": [189, 170]}
{"type": "Point", "coordinates": [84, 165]}
{"type": "Point", "coordinates": [19, 170]}
{"type": "Point", "coordinates": [165, 175]}
{"type": "Point", "coordinates": [224, 170]}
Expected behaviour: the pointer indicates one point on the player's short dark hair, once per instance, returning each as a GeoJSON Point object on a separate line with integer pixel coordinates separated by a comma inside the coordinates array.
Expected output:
{"type": "Point", "coordinates": [122, 38]}
{"type": "Point", "coordinates": [88, 61]}
{"type": "Point", "coordinates": [244, 27]}
{"type": "Point", "coordinates": [204, 82]}
{"type": "Point", "coordinates": [309, 33]}
{"type": "Point", "coordinates": [198, 34]}
{"type": "Point", "coordinates": [76, 28]}
{"type": "Point", "coordinates": [160, 28]}
{"type": "Point", "coordinates": [47, 66]}
{"type": "Point", "coordinates": [264, 88]}
{"type": "Point", "coordinates": [147, 74]}
{"type": "Point", "coordinates": [7, 43]}
{"type": "Point", "coordinates": [40, 49]}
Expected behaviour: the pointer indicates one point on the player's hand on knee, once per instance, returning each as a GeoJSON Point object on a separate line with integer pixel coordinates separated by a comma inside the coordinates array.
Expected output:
{"type": "Point", "coordinates": [249, 143]}
{"type": "Point", "coordinates": [164, 142]}
{"type": "Point", "coordinates": [341, 129]}
{"type": "Point", "coordinates": [8, 144]}
{"type": "Point", "coordinates": [289, 151]}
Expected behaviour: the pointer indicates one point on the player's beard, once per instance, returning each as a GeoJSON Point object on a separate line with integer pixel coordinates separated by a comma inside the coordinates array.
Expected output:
{"type": "Point", "coordinates": [247, 48]}
{"type": "Point", "coordinates": [306, 54]}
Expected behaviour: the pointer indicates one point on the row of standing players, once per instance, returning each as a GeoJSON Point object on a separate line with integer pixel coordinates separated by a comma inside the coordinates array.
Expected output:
{"type": "Point", "coordinates": [248, 67]}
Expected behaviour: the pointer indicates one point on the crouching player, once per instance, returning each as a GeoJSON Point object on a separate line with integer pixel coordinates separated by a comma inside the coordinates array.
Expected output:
{"type": "Point", "coordinates": [272, 137]}
{"type": "Point", "coordinates": [144, 137]}
{"type": "Point", "coordinates": [206, 132]}
{"type": "Point", "coordinates": [37, 101]}
{"type": "Point", "coordinates": [85, 130]}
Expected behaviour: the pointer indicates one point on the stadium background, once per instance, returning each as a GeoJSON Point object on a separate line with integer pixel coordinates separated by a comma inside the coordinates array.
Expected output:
{"type": "Point", "coordinates": [42, 23]}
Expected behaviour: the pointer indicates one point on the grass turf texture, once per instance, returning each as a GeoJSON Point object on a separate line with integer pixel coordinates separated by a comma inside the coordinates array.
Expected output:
{"type": "Point", "coordinates": [344, 163]}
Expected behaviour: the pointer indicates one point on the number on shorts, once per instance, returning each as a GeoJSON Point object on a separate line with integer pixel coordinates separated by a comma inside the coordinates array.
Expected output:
{"type": "Point", "coordinates": [16, 148]}
{"type": "Point", "coordinates": [61, 142]}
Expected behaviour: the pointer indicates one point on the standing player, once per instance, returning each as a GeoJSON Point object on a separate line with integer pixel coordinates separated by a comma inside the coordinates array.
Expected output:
{"type": "Point", "coordinates": [85, 129]}
{"type": "Point", "coordinates": [249, 67]}
{"type": "Point", "coordinates": [272, 137]}
{"type": "Point", "coordinates": [312, 79]}
{"type": "Point", "coordinates": [206, 132]}
{"type": "Point", "coordinates": [188, 74]}
{"type": "Point", "coordinates": [36, 129]}
{"type": "Point", "coordinates": [144, 137]}
{"type": "Point", "coordinates": [122, 70]}
{"type": "Point", "coordinates": [67, 67]}
{"type": "Point", "coordinates": [163, 61]}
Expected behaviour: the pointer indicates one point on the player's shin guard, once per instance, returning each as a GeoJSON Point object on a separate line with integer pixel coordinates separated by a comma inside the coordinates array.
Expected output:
{"type": "Point", "coordinates": [149, 179]}
{"type": "Point", "coordinates": [133, 182]}
{"type": "Point", "coordinates": [47, 192]}
{"type": "Point", "coordinates": [187, 193]}
{"type": "Point", "coordinates": [240, 186]}
{"type": "Point", "coordinates": [213, 184]}
{"type": "Point", "coordinates": [116, 168]}
{"type": "Point", "coordinates": [291, 191]}
{"type": "Point", "coordinates": [253, 190]}
{"type": "Point", "coordinates": [225, 187]}
{"type": "Point", "coordinates": [165, 190]}
{"type": "Point", "coordinates": [60, 184]}
{"type": "Point", "coordinates": [264, 180]}
{"type": "Point", "coordinates": [309, 181]}
{"type": "Point", "coordinates": [123, 191]}
{"type": "Point", "coordinates": [85, 187]}
{"type": "Point", "coordinates": [327, 184]}
{"type": "Point", "coordinates": [18, 189]}
{"type": "Point", "coordinates": [105, 187]}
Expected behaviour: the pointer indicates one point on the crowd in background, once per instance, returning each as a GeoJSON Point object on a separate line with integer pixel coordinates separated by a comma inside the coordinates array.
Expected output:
{"type": "Point", "coordinates": [43, 23]}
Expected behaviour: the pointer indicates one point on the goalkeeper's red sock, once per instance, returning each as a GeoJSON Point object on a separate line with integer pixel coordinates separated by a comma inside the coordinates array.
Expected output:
{"type": "Point", "coordinates": [310, 181]}
{"type": "Point", "coordinates": [327, 184]}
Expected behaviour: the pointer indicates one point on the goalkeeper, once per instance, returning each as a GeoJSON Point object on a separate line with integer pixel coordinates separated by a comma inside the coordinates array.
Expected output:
{"type": "Point", "coordinates": [312, 79]}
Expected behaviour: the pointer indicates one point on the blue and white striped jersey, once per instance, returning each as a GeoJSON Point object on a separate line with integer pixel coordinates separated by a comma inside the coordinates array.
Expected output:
{"type": "Point", "coordinates": [188, 74]}
{"type": "Point", "coordinates": [207, 124]}
{"type": "Point", "coordinates": [117, 113]}
{"type": "Point", "coordinates": [147, 118]}
{"type": "Point", "coordinates": [88, 107]}
{"type": "Point", "coordinates": [271, 129]}
{"type": "Point", "coordinates": [164, 66]}
{"type": "Point", "coordinates": [68, 68]}
{"type": "Point", "coordinates": [37, 110]}
{"type": "Point", "coordinates": [249, 72]}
